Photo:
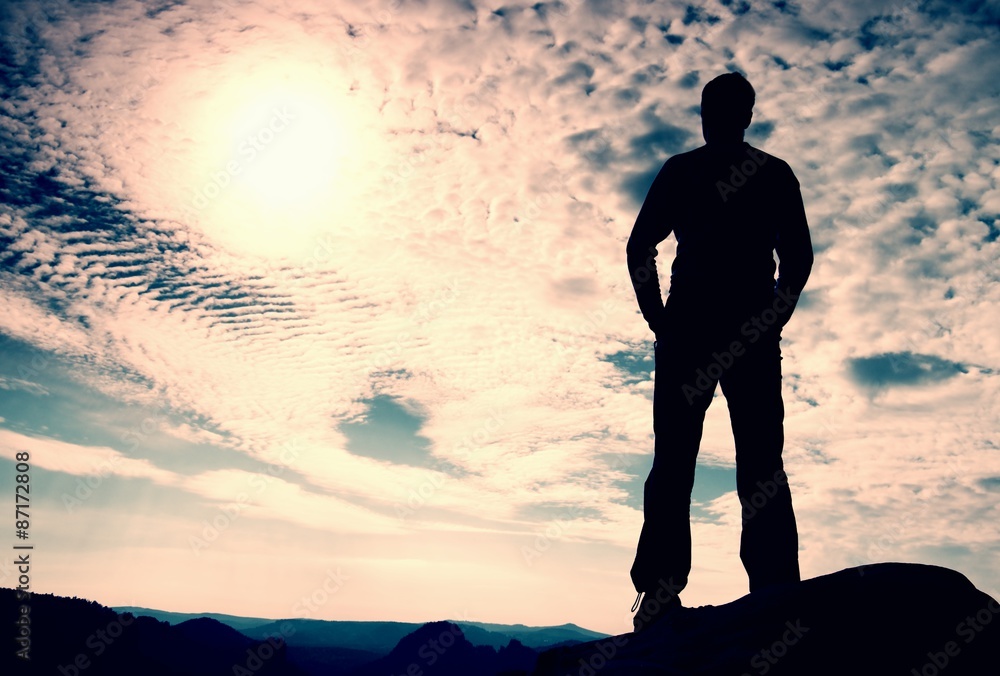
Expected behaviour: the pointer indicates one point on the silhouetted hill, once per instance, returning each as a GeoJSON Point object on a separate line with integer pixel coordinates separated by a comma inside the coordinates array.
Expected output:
{"type": "Point", "coordinates": [76, 637]}
{"type": "Point", "coordinates": [882, 619]}
{"type": "Point", "coordinates": [374, 637]}
{"type": "Point", "coordinates": [377, 637]}
{"type": "Point", "coordinates": [885, 619]}
{"type": "Point", "coordinates": [532, 637]}
{"type": "Point", "coordinates": [334, 647]}
{"type": "Point", "coordinates": [237, 622]}
{"type": "Point", "coordinates": [316, 647]}
{"type": "Point", "coordinates": [329, 660]}
{"type": "Point", "coordinates": [441, 649]}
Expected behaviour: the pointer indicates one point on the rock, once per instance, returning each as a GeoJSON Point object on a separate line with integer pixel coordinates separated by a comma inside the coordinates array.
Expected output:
{"type": "Point", "coordinates": [880, 619]}
{"type": "Point", "coordinates": [441, 649]}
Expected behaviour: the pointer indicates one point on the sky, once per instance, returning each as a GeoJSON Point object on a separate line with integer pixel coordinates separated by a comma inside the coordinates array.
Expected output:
{"type": "Point", "coordinates": [320, 309]}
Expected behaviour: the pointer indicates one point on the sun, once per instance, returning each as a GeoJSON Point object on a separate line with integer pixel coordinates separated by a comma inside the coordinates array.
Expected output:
{"type": "Point", "coordinates": [278, 146]}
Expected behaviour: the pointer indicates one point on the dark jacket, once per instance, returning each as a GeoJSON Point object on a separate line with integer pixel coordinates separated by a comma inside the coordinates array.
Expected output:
{"type": "Point", "coordinates": [731, 207]}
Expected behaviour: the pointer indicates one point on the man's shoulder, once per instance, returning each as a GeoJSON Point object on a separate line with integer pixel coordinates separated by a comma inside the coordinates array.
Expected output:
{"type": "Point", "coordinates": [704, 153]}
{"type": "Point", "coordinates": [688, 157]}
{"type": "Point", "coordinates": [762, 158]}
{"type": "Point", "coordinates": [682, 164]}
{"type": "Point", "coordinates": [688, 163]}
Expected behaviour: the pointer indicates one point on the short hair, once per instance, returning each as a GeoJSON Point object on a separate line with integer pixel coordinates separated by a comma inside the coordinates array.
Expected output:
{"type": "Point", "coordinates": [728, 95]}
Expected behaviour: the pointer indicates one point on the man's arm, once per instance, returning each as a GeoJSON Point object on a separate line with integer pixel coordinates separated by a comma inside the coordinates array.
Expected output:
{"type": "Point", "coordinates": [652, 226]}
{"type": "Point", "coordinates": [793, 246]}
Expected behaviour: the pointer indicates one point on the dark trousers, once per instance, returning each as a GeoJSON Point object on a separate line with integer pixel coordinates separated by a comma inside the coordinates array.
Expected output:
{"type": "Point", "coordinates": [692, 357]}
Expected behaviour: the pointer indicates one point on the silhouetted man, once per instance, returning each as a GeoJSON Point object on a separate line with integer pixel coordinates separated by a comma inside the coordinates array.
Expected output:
{"type": "Point", "coordinates": [731, 207]}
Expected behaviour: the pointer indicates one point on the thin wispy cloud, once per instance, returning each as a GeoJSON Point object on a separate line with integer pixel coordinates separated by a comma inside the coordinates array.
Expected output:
{"type": "Point", "coordinates": [370, 256]}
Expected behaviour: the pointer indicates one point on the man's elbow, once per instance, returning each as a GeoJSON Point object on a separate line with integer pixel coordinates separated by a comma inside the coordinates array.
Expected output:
{"type": "Point", "coordinates": [637, 251]}
{"type": "Point", "coordinates": [633, 246]}
{"type": "Point", "coordinates": [802, 262]}
{"type": "Point", "coordinates": [794, 275]}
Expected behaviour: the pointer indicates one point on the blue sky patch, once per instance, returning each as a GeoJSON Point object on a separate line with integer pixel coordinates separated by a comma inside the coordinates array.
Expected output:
{"type": "Point", "coordinates": [902, 368]}
{"type": "Point", "coordinates": [390, 431]}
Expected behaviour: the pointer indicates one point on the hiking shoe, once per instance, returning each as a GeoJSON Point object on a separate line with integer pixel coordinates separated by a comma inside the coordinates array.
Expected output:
{"type": "Point", "coordinates": [650, 609]}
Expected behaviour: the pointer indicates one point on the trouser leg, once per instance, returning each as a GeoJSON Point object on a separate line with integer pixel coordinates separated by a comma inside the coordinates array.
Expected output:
{"type": "Point", "coordinates": [663, 554]}
{"type": "Point", "coordinates": [769, 542]}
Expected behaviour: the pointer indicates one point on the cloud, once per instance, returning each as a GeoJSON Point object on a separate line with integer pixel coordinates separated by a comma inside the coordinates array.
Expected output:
{"type": "Point", "coordinates": [83, 461]}
{"type": "Point", "coordinates": [282, 227]}
{"type": "Point", "coordinates": [903, 368]}
{"type": "Point", "coordinates": [390, 432]}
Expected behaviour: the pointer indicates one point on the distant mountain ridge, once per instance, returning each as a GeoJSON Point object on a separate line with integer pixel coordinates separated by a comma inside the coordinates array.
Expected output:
{"type": "Point", "coordinates": [884, 619]}
{"type": "Point", "coordinates": [440, 648]}
{"type": "Point", "coordinates": [379, 636]}
{"type": "Point", "coordinates": [78, 637]}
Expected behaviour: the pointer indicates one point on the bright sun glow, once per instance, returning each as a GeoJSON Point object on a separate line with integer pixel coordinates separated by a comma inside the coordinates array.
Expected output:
{"type": "Point", "coordinates": [276, 147]}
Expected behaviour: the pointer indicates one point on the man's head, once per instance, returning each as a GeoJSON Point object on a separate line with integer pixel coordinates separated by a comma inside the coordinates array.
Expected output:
{"type": "Point", "coordinates": [726, 108]}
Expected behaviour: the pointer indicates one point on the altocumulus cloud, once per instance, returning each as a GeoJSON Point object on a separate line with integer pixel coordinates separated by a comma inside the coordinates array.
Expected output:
{"type": "Point", "coordinates": [262, 229]}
